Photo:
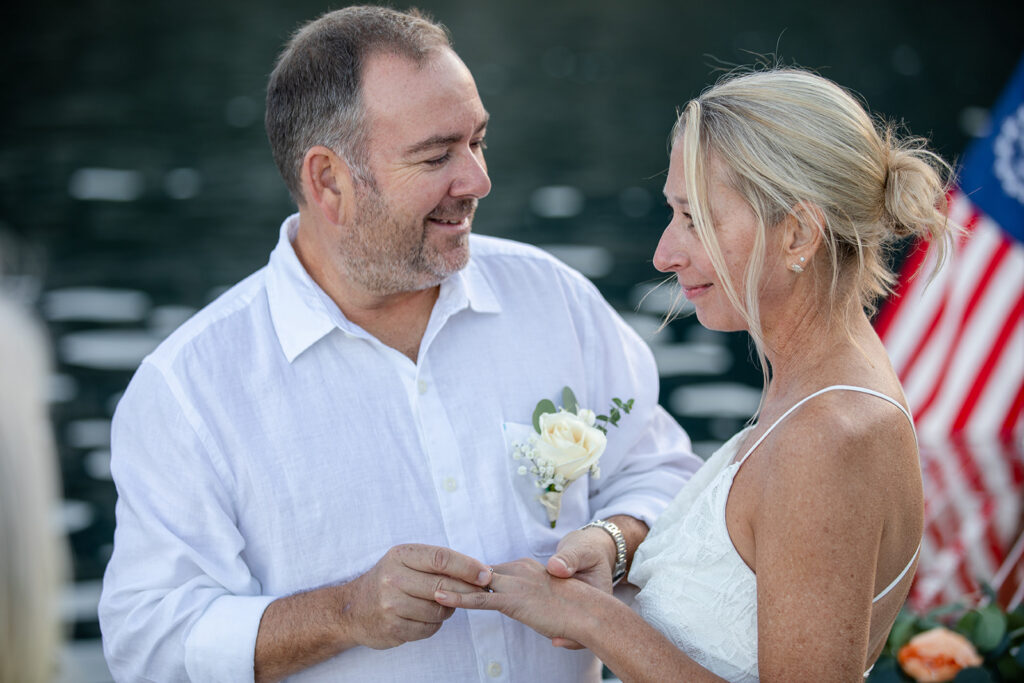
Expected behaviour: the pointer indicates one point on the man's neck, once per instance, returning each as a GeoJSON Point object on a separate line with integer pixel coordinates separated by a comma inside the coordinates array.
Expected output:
{"type": "Point", "coordinates": [398, 319]}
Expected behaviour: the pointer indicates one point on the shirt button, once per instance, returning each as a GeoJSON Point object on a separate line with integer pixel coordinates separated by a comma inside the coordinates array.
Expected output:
{"type": "Point", "coordinates": [450, 485]}
{"type": "Point", "coordinates": [494, 669]}
{"type": "Point", "coordinates": [421, 386]}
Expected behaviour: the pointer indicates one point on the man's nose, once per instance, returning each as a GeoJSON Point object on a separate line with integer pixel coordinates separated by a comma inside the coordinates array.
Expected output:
{"type": "Point", "coordinates": [472, 179]}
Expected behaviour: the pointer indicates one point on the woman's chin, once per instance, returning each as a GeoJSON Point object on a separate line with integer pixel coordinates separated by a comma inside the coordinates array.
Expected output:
{"type": "Point", "coordinates": [718, 323]}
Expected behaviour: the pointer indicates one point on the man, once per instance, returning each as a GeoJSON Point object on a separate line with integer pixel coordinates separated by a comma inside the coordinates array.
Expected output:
{"type": "Point", "coordinates": [306, 461]}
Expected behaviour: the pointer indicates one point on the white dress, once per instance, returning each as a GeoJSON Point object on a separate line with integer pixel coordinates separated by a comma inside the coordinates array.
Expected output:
{"type": "Point", "coordinates": [695, 587]}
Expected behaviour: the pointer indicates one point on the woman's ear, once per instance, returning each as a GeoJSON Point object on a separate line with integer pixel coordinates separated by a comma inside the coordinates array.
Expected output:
{"type": "Point", "coordinates": [805, 228]}
{"type": "Point", "coordinates": [327, 183]}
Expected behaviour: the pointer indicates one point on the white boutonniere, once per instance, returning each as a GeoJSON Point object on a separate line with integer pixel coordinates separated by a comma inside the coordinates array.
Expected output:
{"type": "Point", "coordinates": [569, 442]}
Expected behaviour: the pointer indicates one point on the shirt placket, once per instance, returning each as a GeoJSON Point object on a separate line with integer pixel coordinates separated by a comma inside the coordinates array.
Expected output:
{"type": "Point", "coordinates": [462, 523]}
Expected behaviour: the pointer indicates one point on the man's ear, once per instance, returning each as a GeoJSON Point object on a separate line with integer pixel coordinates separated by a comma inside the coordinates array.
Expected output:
{"type": "Point", "coordinates": [327, 183]}
{"type": "Point", "coordinates": [805, 228]}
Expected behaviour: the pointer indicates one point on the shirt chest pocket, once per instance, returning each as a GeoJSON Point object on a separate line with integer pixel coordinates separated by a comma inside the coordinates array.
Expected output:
{"type": "Point", "coordinates": [574, 509]}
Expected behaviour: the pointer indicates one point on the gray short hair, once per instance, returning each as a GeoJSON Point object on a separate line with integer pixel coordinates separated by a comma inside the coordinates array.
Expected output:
{"type": "Point", "coordinates": [313, 96]}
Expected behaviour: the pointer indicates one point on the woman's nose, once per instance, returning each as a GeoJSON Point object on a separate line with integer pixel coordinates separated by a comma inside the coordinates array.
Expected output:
{"type": "Point", "coordinates": [668, 256]}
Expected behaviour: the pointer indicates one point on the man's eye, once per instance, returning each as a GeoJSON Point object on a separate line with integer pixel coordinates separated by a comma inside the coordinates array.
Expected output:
{"type": "Point", "coordinates": [437, 161]}
{"type": "Point", "coordinates": [479, 144]}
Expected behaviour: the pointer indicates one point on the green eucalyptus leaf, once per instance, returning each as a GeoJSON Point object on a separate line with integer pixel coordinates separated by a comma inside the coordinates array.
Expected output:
{"type": "Point", "coordinates": [543, 406]}
{"type": "Point", "coordinates": [629, 406]}
{"type": "Point", "coordinates": [601, 418]}
{"type": "Point", "coordinates": [990, 629]}
{"type": "Point", "coordinates": [903, 630]}
{"type": "Point", "coordinates": [615, 416]}
{"type": "Point", "coordinates": [569, 401]}
{"type": "Point", "coordinates": [968, 623]}
{"type": "Point", "coordinates": [973, 674]}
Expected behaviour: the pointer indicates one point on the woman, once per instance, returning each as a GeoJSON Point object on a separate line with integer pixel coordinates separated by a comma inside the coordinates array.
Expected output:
{"type": "Point", "coordinates": [32, 553]}
{"type": "Point", "coordinates": [790, 553]}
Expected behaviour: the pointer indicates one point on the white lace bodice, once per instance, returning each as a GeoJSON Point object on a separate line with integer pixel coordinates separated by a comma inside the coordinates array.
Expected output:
{"type": "Point", "coordinates": [695, 587]}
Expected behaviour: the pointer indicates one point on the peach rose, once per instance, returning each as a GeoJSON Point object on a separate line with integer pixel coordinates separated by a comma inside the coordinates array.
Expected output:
{"type": "Point", "coordinates": [937, 655]}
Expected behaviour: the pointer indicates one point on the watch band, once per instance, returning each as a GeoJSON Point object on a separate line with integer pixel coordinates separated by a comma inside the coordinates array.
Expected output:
{"type": "Point", "coordinates": [619, 570]}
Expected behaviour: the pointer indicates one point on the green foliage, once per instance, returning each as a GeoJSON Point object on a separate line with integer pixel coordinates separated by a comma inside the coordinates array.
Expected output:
{"type": "Point", "coordinates": [543, 406]}
{"type": "Point", "coordinates": [571, 404]}
{"type": "Point", "coordinates": [615, 414]}
{"type": "Point", "coordinates": [569, 401]}
{"type": "Point", "coordinates": [997, 635]}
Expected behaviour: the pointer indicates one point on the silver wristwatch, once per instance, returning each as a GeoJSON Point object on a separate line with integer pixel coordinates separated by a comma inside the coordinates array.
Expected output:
{"type": "Point", "coordinates": [619, 570]}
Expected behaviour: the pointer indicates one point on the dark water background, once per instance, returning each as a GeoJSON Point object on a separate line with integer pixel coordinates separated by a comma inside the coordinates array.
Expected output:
{"type": "Point", "coordinates": [133, 159]}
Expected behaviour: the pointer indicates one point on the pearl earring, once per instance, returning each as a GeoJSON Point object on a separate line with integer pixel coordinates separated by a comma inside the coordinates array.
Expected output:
{"type": "Point", "coordinates": [796, 268]}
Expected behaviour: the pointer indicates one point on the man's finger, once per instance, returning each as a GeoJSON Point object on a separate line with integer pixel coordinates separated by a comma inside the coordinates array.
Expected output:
{"type": "Point", "coordinates": [432, 559]}
{"type": "Point", "coordinates": [559, 566]}
{"type": "Point", "coordinates": [566, 643]}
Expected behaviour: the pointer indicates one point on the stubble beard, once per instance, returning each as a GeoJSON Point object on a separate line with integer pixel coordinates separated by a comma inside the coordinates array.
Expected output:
{"type": "Point", "coordinates": [386, 255]}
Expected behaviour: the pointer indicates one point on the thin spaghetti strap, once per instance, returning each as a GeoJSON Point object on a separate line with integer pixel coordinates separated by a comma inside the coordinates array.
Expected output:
{"type": "Point", "coordinates": [819, 392]}
{"type": "Point", "coordinates": [898, 578]}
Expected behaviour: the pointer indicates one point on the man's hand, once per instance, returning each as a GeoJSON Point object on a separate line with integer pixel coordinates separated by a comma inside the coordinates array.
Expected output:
{"type": "Point", "coordinates": [586, 554]}
{"type": "Point", "coordinates": [589, 555]}
{"type": "Point", "coordinates": [393, 603]}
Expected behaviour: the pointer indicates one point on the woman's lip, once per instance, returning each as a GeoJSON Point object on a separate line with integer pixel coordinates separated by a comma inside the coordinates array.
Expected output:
{"type": "Point", "coordinates": [696, 290]}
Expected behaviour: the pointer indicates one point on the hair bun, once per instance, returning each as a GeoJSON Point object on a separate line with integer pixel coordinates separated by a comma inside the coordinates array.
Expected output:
{"type": "Point", "coordinates": [914, 189]}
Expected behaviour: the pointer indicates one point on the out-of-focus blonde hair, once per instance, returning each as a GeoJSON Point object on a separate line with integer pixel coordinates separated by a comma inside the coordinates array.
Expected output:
{"type": "Point", "coordinates": [786, 136]}
{"type": "Point", "coordinates": [32, 555]}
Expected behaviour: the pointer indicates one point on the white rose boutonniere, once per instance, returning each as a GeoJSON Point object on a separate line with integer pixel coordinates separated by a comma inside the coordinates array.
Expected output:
{"type": "Point", "coordinates": [569, 443]}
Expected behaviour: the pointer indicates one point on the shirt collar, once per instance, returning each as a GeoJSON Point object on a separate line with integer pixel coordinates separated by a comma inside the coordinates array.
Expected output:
{"type": "Point", "coordinates": [299, 307]}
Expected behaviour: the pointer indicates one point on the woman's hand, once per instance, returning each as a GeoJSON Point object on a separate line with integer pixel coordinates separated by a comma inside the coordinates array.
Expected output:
{"type": "Point", "coordinates": [524, 591]}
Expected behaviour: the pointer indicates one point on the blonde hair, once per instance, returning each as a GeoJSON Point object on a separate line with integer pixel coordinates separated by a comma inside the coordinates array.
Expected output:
{"type": "Point", "coordinates": [32, 555]}
{"type": "Point", "coordinates": [787, 137]}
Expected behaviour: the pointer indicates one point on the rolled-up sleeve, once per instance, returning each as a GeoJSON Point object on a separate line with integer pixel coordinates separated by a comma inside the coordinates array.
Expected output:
{"type": "Point", "coordinates": [178, 601]}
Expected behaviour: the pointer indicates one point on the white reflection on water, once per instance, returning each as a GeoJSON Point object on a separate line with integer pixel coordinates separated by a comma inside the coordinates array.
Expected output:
{"type": "Point", "coordinates": [649, 327]}
{"type": "Point", "coordinates": [692, 359]}
{"type": "Point", "coordinates": [593, 261]}
{"type": "Point", "coordinates": [182, 183]}
{"type": "Point", "coordinates": [74, 515]}
{"type": "Point", "coordinates": [97, 465]}
{"type": "Point", "coordinates": [557, 201]}
{"type": "Point", "coordinates": [107, 349]}
{"type": "Point", "coordinates": [93, 433]}
{"type": "Point", "coordinates": [659, 298]}
{"type": "Point", "coordinates": [106, 184]}
{"type": "Point", "coordinates": [715, 399]}
{"type": "Point", "coordinates": [95, 304]}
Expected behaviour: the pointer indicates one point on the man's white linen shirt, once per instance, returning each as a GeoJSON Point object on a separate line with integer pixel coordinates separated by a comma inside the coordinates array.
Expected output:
{"type": "Point", "coordinates": [270, 446]}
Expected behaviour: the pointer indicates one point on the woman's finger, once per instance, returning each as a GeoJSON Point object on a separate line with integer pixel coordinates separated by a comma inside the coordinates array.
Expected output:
{"type": "Point", "coordinates": [492, 601]}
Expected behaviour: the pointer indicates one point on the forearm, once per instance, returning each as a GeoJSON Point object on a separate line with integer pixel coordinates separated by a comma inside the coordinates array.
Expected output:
{"type": "Point", "coordinates": [632, 648]}
{"type": "Point", "coordinates": [301, 630]}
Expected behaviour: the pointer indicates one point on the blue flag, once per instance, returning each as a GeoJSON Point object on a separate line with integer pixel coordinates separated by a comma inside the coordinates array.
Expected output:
{"type": "Point", "coordinates": [992, 174]}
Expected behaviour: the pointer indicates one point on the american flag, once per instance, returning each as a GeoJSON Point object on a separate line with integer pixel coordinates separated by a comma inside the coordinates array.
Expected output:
{"type": "Point", "coordinates": [957, 343]}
